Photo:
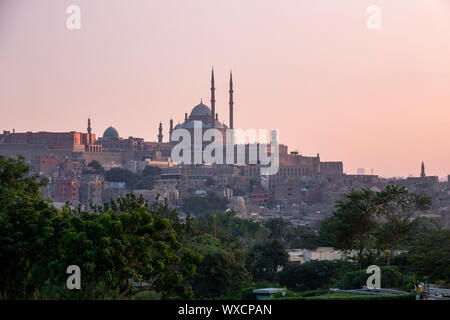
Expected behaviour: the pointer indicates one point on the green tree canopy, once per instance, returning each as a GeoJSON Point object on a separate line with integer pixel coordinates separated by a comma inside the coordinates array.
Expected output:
{"type": "Point", "coordinates": [125, 242]}
{"type": "Point", "coordinates": [96, 166]}
{"type": "Point", "coordinates": [27, 230]}
{"type": "Point", "coordinates": [429, 256]}
{"type": "Point", "coordinates": [151, 171]}
{"type": "Point", "coordinates": [395, 207]}
{"type": "Point", "coordinates": [202, 206]}
{"type": "Point", "coordinates": [311, 275]}
{"type": "Point", "coordinates": [132, 180]}
{"type": "Point", "coordinates": [264, 259]}
{"type": "Point", "coordinates": [222, 272]}
{"type": "Point", "coordinates": [366, 220]}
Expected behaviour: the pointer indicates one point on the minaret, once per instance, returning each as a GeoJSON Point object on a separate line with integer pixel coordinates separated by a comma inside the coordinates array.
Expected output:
{"type": "Point", "coordinates": [422, 171]}
{"type": "Point", "coordinates": [231, 101]}
{"type": "Point", "coordinates": [89, 130]}
{"type": "Point", "coordinates": [213, 100]}
{"type": "Point", "coordinates": [171, 129]}
{"type": "Point", "coordinates": [160, 135]}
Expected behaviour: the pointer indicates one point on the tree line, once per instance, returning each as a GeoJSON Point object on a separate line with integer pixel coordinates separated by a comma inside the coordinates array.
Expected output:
{"type": "Point", "coordinates": [130, 241]}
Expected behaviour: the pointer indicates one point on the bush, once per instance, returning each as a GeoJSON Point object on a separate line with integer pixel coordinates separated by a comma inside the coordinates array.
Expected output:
{"type": "Point", "coordinates": [203, 206]}
{"type": "Point", "coordinates": [151, 171]}
{"type": "Point", "coordinates": [96, 167]}
{"type": "Point", "coordinates": [390, 278]}
{"type": "Point", "coordinates": [132, 180]}
{"type": "Point", "coordinates": [324, 295]}
{"type": "Point", "coordinates": [247, 294]}
{"type": "Point", "coordinates": [350, 296]}
{"type": "Point", "coordinates": [310, 275]}
{"type": "Point", "coordinates": [148, 295]}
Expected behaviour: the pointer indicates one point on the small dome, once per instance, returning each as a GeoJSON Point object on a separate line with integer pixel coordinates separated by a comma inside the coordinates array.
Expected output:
{"type": "Point", "coordinates": [201, 110]}
{"type": "Point", "coordinates": [111, 133]}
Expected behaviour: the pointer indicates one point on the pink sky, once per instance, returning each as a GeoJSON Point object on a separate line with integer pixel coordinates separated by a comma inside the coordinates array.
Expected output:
{"type": "Point", "coordinates": [373, 99]}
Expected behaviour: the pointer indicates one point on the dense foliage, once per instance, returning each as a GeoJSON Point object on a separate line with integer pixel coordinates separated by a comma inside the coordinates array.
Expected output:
{"type": "Point", "coordinates": [132, 180]}
{"type": "Point", "coordinates": [201, 206]}
{"type": "Point", "coordinates": [130, 248]}
{"type": "Point", "coordinates": [368, 220]}
{"type": "Point", "coordinates": [95, 167]}
{"type": "Point", "coordinates": [310, 275]}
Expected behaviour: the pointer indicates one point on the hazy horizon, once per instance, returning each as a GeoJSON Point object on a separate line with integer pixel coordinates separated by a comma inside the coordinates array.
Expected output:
{"type": "Point", "coordinates": [374, 99]}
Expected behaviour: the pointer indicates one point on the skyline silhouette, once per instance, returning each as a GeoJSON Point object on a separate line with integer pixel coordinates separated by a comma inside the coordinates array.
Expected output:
{"type": "Point", "coordinates": [374, 99]}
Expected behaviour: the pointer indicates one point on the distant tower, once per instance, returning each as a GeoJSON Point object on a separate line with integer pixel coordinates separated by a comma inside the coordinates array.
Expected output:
{"type": "Point", "coordinates": [231, 100]}
{"type": "Point", "coordinates": [89, 131]}
{"type": "Point", "coordinates": [160, 135]}
{"type": "Point", "coordinates": [213, 100]}
{"type": "Point", "coordinates": [422, 171]}
{"type": "Point", "coordinates": [171, 129]}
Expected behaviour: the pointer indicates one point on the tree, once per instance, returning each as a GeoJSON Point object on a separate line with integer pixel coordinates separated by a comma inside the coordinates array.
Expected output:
{"type": "Point", "coordinates": [278, 228]}
{"type": "Point", "coordinates": [144, 182]}
{"type": "Point", "coordinates": [368, 220]}
{"type": "Point", "coordinates": [327, 236]}
{"type": "Point", "coordinates": [151, 171]}
{"type": "Point", "coordinates": [396, 206]}
{"type": "Point", "coordinates": [264, 259]}
{"type": "Point", "coordinates": [123, 243]}
{"type": "Point", "coordinates": [132, 180]}
{"type": "Point", "coordinates": [303, 237]}
{"type": "Point", "coordinates": [429, 256]}
{"type": "Point", "coordinates": [121, 175]}
{"type": "Point", "coordinates": [229, 228]}
{"type": "Point", "coordinates": [117, 245]}
{"type": "Point", "coordinates": [222, 273]}
{"type": "Point", "coordinates": [96, 167]}
{"type": "Point", "coordinates": [292, 236]}
{"type": "Point", "coordinates": [391, 278]}
{"type": "Point", "coordinates": [354, 222]}
{"type": "Point", "coordinates": [203, 206]}
{"type": "Point", "coordinates": [27, 231]}
{"type": "Point", "coordinates": [311, 275]}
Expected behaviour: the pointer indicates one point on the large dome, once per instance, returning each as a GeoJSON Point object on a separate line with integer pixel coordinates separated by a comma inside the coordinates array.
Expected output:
{"type": "Point", "coordinates": [111, 133]}
{"type": "Point", "coordinates": [190, 124]}
{"type": "Point", "coordinates": [201, 110]}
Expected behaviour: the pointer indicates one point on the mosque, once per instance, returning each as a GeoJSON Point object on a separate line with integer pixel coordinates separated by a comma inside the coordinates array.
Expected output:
{"type": "Point", "coordinates": [204, 116]}
{"type": "Point", "coordinates": [201, 116]}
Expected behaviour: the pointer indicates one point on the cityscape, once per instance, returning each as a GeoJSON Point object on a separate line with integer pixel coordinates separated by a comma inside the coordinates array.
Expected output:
{"type": "Point", "coordinates": [80, 168]}
{"type": "Point", "coordinates": [224, 157]}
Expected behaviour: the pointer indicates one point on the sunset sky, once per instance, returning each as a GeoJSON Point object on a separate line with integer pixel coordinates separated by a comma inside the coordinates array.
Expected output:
{"type": "Point", "coordinates": [312, 69]}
